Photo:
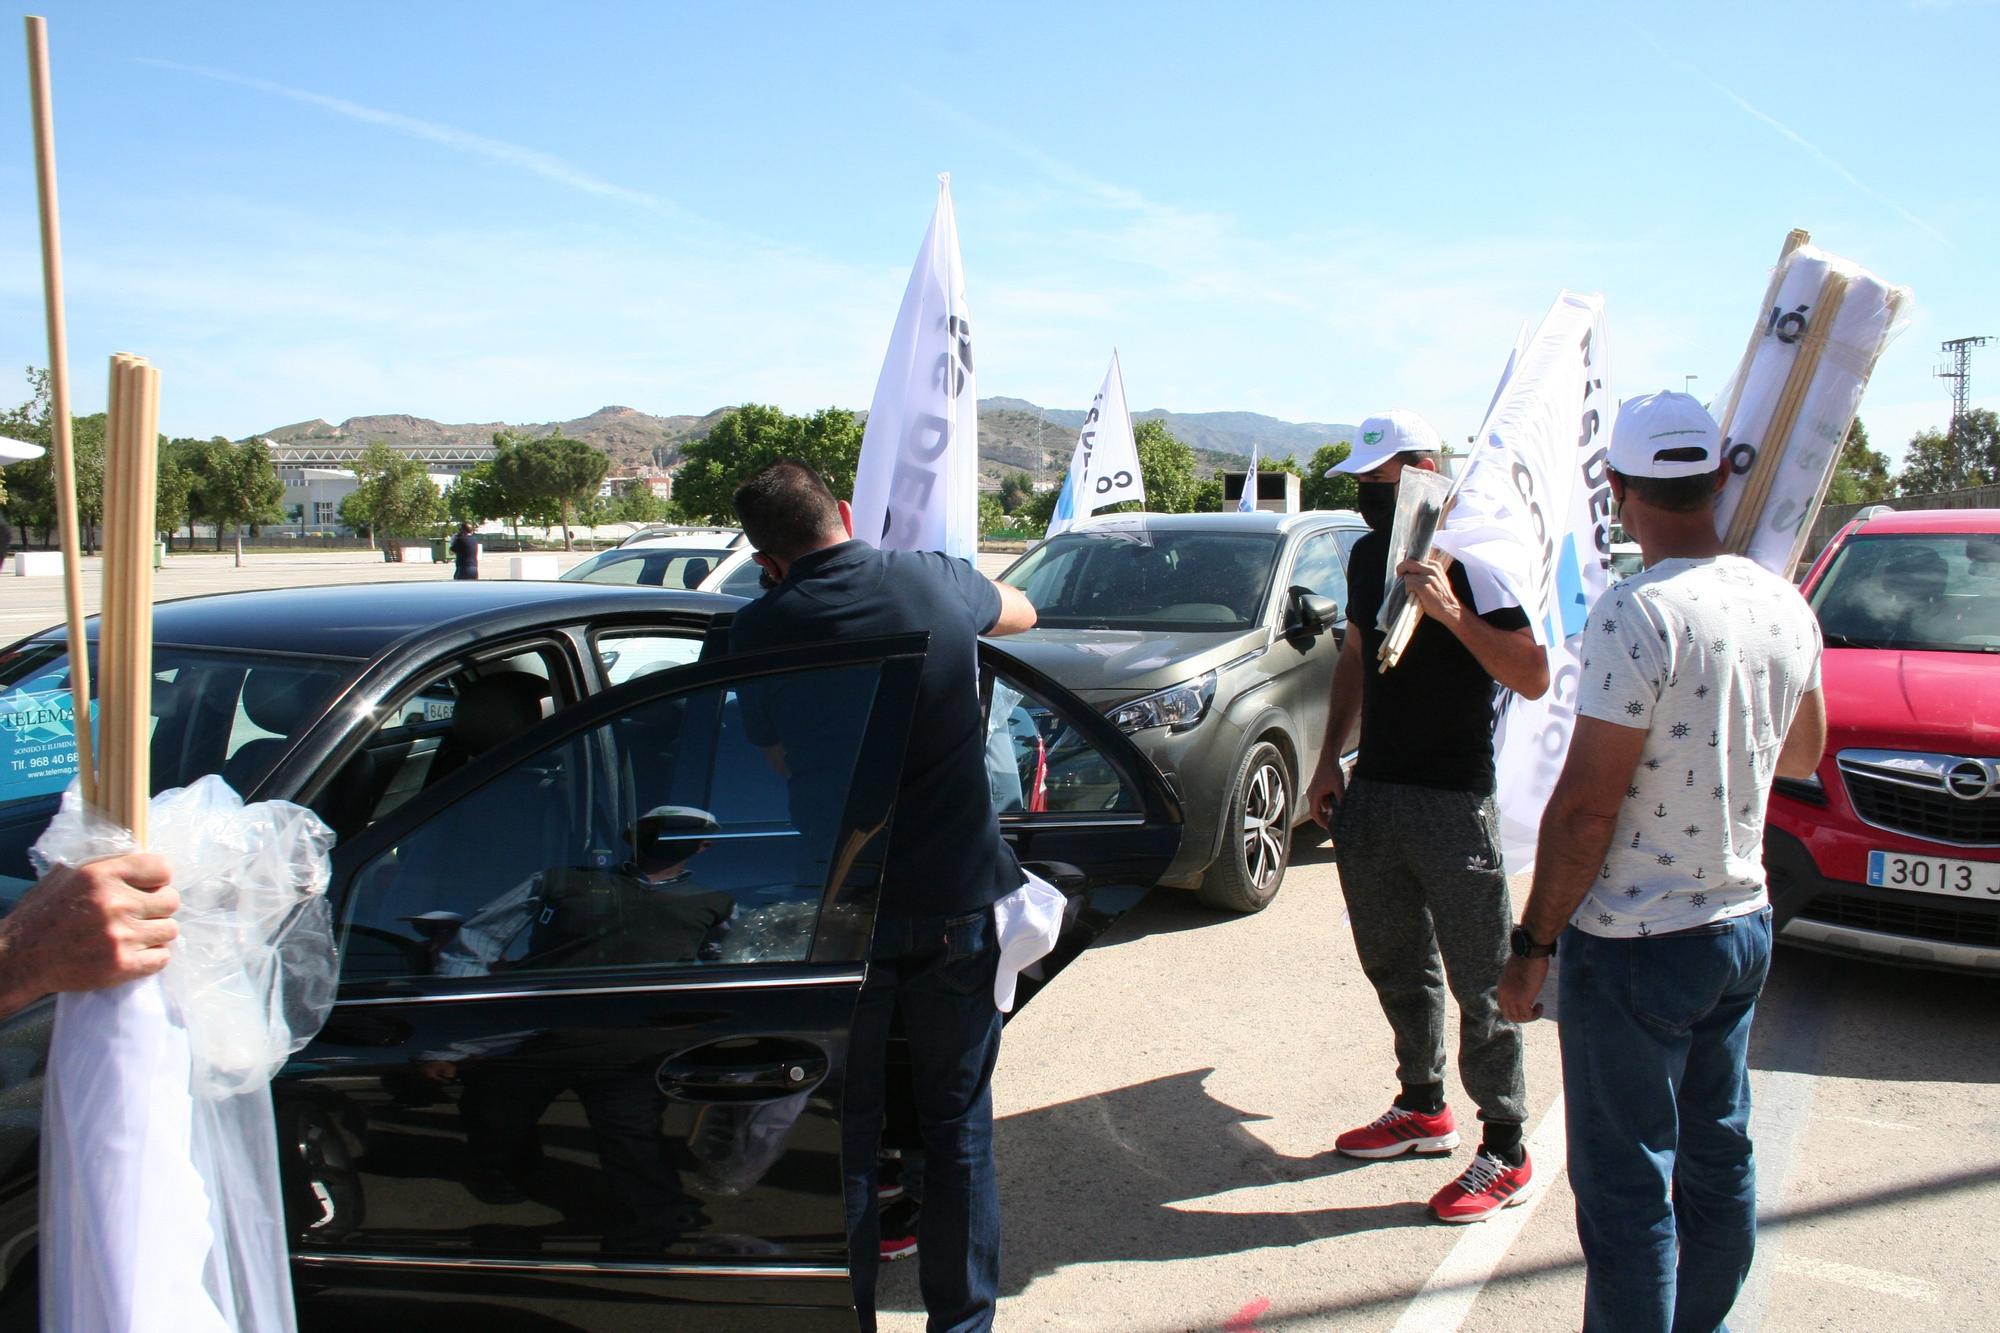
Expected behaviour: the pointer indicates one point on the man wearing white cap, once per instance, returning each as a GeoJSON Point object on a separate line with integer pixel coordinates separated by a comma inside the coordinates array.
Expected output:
{"type": "Point", "coordinates": [1700, 684]}
{"type": "Point", "coordinates": [1417, 837]}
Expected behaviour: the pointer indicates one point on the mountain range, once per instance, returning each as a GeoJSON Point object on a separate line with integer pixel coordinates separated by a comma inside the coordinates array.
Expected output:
{"type": "Point", "coordinates": [1014, 435]}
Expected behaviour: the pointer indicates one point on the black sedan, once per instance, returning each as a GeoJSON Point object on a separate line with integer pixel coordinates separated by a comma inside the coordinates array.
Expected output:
{"type": "Point", "coordinates": [598, 961]}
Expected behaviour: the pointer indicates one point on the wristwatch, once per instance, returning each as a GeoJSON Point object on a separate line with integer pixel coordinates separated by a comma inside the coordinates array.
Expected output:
{"type": "Point", "coordinates": [1524, 946]}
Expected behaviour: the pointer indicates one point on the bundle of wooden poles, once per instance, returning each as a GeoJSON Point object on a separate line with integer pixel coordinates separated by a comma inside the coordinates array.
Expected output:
{"type": "Point", "coordinates": [115, 773]}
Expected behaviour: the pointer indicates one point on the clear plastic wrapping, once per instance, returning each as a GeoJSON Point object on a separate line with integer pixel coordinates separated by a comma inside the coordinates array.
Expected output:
{"type": "Point", "coordinates": [160, 1195]}
{"type": "Point", "coordinates": [1786, 410]}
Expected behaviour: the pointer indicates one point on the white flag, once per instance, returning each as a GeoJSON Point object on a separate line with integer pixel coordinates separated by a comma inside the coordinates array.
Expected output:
{"type": "Point", "coordinates": [1531, 524]}
{"type": "Point", "coordinates": [1247, 502]}
{"type": "Point", "coordinates": [917, 486]}
{"type": "Point", "coordinates": [1104, 470]}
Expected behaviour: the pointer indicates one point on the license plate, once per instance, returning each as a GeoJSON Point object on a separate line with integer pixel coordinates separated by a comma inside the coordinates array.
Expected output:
{"type": "Point", "coordinates": [1934, 874]}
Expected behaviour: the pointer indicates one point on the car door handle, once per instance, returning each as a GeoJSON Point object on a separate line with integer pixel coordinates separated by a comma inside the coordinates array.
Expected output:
{"type": "Point", "coordinates": [1062, 874]}
{"type": "Point", "coordinates": [754, 1069]}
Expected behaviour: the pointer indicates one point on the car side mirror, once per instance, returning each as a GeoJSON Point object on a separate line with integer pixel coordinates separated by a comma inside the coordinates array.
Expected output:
{"type": "Point", "coordinates": [1312, 613]}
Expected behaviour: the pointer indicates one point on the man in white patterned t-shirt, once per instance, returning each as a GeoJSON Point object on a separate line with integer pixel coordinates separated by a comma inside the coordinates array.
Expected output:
{"type": "Point", "coordinates": [1700, 684]}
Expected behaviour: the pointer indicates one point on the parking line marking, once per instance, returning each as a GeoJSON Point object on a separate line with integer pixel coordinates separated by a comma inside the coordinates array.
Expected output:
{"type": "Point", "coordinates": [1868, 1279]}
{"type": "Point", "coordinates": [1448, 1295]}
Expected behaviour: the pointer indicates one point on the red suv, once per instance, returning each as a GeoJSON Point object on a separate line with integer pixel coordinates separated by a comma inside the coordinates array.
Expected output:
{"type": "Point", "coordinates": [1892, 850]}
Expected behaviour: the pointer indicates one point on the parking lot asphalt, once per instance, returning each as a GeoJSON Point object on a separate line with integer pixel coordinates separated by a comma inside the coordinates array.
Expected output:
{"type": "Point", "coordinates": [1166, 1115]}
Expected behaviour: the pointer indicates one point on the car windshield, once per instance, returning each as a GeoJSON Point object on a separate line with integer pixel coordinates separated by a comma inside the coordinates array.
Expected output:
{"type": "Point", "coordinates": [214, 711]}
{"type": "Point", "coordinates": [1183, 580]}
{"type": "Point", "coordinates": [678, 568]}
{"type": "Point", "coordinates": [1933, 591]}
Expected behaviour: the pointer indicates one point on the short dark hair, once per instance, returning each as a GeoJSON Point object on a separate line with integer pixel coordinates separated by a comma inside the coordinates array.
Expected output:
{"type": "Point", "coordinates": [1416, 457]}
{"type": "Point", "coordinates": [1675, 495]}
{"type": "Point", "coordinates": [787, 509]}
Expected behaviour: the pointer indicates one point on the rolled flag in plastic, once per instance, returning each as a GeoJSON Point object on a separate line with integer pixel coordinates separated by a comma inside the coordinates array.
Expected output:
{"type": "Point", "coordinates": [917, 485]}
{"type": "Point", "coordinates": [1247, 502]}
{"type": "Point", "coordinates": [1104, 469]}
{"type": "Point", "coordinates": [1785, 412]}
{"type": "Point", "coordinates": [161, 1209]}
{"type": "Point", "coordinates": [1530, 521]}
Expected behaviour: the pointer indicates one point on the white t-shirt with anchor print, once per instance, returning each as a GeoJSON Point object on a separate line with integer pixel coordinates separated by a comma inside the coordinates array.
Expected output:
{"type": "Point", "coordinates": [1711, 658]}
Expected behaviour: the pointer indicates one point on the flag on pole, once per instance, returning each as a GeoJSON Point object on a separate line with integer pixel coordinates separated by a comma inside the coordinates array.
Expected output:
{"type": "Point", "coordinates": [917, 485]}
{"type": "Point", "coordinates": [1247, 502]}
{"type": "Point", "coordinates": [1104, 470]}
{"type": "Point", "coordinates": [1530, 521]}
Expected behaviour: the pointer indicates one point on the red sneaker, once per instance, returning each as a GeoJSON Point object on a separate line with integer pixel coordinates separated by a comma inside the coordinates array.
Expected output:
{"type": "Point", "coordinates": [1484, 1188]}
{"type": "Point", "coordinates": [1397, 1131]}
{"type": "Point", "coordinates": [899, 1231]}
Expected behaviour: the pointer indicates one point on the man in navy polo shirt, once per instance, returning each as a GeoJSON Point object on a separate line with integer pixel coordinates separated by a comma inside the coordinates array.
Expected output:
{"type": "Point", "coordinates": [935, 951]}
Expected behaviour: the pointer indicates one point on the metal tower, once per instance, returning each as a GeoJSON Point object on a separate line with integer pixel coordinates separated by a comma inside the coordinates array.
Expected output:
{"type": "Point", "coordinates": [1959, 372]}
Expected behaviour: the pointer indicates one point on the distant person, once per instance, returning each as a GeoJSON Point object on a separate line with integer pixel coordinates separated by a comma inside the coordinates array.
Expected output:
{"type": "Point", "coordinates": [465, 553]}
{"type": "Point", "coordinates": [87, 927]}
{"type": "Point", "coordinates": [1700, 685]}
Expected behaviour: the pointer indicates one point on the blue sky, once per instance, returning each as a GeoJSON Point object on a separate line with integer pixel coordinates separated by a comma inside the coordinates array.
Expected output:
{"type": "Point", "coordinates": [523, 212]}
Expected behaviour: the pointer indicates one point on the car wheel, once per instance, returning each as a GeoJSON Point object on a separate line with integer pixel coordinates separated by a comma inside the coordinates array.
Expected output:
{"type": "Point", "coordinates": [1255, 851]}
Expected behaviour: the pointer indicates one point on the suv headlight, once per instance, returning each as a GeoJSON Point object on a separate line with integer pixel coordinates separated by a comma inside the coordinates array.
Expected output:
{"type": "Point", "coordinates": [1178, 706]}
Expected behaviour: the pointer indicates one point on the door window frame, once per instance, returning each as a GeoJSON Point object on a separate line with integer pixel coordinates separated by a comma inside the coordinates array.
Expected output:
{"type": "Point", "coordinates": [845, 923]}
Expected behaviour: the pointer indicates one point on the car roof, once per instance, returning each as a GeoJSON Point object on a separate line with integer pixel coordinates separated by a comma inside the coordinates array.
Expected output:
{"type": "Point", "coordinates": [1223, 521]}
{"type": "Point", "coordinates": [360, 620]}
{"type": "Point", "coordinates": [708, 539]}
{"type": "Point", "coordinates": [1985, 522]}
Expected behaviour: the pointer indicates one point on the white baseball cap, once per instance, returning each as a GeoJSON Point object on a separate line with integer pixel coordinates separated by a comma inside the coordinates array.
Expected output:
{"type": "Point", "coordinates": [1383, 436]}
{"type": "Point", "coordinates": [1665, 434]}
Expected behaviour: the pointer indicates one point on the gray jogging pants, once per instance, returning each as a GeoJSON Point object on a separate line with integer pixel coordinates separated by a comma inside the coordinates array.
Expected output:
{"type": "Point", "coordinates": [1427, 897]}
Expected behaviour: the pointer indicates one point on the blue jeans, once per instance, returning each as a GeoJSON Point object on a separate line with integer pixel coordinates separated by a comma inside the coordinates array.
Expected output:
{"type": "Point", "coordinates": [939, 972]}
{"type": "Point", "coordinates": [1655, 1043]}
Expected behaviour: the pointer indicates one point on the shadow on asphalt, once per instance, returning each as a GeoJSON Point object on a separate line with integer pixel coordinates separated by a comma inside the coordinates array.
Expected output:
{"type": "Point", "coordinates": [1169, 911]}
{"type": "Point", "coordinates": [1848, 1018]}
{"type": "Point", "coordinates": [1107, 1179]}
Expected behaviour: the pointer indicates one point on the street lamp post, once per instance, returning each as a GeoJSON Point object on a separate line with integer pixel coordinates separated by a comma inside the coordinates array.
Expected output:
{"type": "Point", "coordinates": [1687, 380]}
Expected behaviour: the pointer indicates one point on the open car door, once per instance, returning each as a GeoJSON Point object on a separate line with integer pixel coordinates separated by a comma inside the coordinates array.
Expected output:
{"type": "Point", "coordinates": [1078, 802]}
{"type": "Point", "coordinates": [596, 989]}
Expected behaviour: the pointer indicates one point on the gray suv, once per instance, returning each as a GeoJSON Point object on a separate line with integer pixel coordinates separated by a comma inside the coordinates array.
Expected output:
{"type": "Point", "coordinates": [1210, 639]}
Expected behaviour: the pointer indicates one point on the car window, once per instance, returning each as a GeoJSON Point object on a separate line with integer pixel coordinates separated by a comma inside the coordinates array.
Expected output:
{"type": "Point", "coordinates": [746, 580]}
{"type": "Point", "coordinates": [1037, 763]}
{"type": "Point", "coordinates": [451, 717]}
{"type": "Point", "coordinates": [691, 830]}
{"type": "Point", "coordinates": [1321, 567]}
{"type": "Point", "coordinates": [227, 712]}
{"type": "Point", "coordinates": [628, 654]}
{"type": "Point", "coordinates": [1162, 579]}
{"type": "Point", "coordinates": [1936, 591]}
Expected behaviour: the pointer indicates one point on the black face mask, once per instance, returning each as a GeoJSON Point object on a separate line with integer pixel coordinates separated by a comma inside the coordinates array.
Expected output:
{"type": "Point", "coordinates": [1377, 503]}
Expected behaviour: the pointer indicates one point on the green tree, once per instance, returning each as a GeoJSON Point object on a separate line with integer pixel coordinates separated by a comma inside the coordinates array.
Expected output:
{"type": "Point", "coordinates": [992, 517]}
{"type": "Point", "coordinates": [750, 438]}
{"type": "Point", "coordinates": [396, 496]}
{"type": "Point", "coordinates": [1966, 455]}
{"type": "Point", "coordinates": [1860, 475]}
{"type": "Point", "coordinates": [1319, 491]}
{"type": "Point", "coordinates": [28, 423]}
{"type": "Point", "coordinates": [562, 474]}
{"type": "Point", "coordinates": [234, 486]}
{"type": "Point", "coordinates": [175, 486]}
{"type": "Point", "coordinates": [476, 495]}
{"type": "Point", "coordinates": [1015, 490]}
{"type": "Point", "coordinates": [636, 503]}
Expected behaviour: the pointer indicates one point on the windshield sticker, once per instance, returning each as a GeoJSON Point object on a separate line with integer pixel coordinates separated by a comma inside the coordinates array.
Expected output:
{"type": "Point", "coordinates": [37, 743]}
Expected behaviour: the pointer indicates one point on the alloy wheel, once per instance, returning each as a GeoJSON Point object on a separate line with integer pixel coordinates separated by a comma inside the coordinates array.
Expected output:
{"type": "Point", "coordinates": [1266, 820]}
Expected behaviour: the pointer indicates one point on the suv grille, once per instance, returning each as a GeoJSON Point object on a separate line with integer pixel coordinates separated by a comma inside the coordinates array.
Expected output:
{"type": "Point", "coordinates": [1907, 794]}
{"type": "Point", "coordinates": [1946, 925]}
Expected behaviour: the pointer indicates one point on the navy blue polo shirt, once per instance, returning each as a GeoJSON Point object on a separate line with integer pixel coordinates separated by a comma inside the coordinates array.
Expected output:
{"type": "Point", "coordinates": [946, 857]}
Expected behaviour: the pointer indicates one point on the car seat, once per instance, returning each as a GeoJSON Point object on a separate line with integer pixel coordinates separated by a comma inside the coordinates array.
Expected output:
{"type": "Point", "coordinates": [693, 572]}
{"type": "Point", "coordinates": [487, 712]}
{"type": "Point", "coordinates": [274, 701]}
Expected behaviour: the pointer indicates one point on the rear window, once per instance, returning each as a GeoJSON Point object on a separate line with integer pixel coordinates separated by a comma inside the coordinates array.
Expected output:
{"type": "Point", "coordinates": [231, 713]}
{"type": "Point", "coordinates": [1931, 591]}
{"type": "Point", "coordinates": [681, 570]}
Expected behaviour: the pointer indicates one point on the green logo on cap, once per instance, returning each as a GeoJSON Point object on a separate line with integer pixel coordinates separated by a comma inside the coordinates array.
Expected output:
{"type": "Point", "coordinates": [1372, 437]}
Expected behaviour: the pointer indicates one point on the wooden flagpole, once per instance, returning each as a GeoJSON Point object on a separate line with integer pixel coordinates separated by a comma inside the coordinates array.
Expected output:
{"type": "Point", "coordinates": [1784, 416]}
{"type": "Point", "coordinates": [1726, 418]}
{"type": "Point", "coordinates": [62, 455]}
{"type": "Point", "coordinates": [126, 626]}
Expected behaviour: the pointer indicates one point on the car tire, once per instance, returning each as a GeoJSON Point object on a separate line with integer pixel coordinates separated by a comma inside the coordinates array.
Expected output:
{"type": "Point", "coordinates": [1258, 843]}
